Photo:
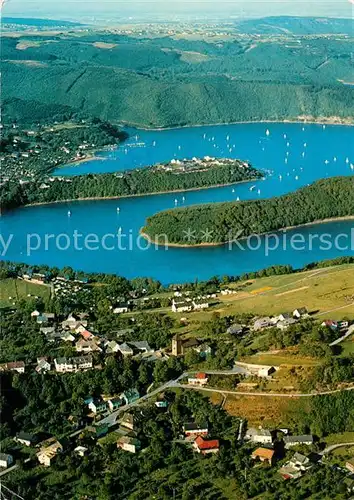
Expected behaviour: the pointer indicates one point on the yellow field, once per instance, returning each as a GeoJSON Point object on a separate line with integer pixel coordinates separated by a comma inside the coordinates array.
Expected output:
{"type": "Point", "coordinates": [327, 292]}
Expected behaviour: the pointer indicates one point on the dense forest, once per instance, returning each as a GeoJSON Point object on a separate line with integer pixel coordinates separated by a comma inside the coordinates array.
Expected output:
{"type": "Point", "coordinates": [134, 182]}
{"type": "Point", "coordinates": [327, 198]}
{"type": "Point", "coordinates": [163, 81]}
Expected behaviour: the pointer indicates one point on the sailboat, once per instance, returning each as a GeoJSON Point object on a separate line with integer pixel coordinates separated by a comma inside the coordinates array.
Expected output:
{"type": "Point", "coordinates": [286, 160]}
{"type": "Point", "coordinates": [176, 201]}
{"type": "Point", "coordinates": [305, 144]}
{"type": "Point", "coordinates": [233, 190]}
{"type": "Point", "coordinates": [227, 137]}
{"type": "Point", "coordinates": [183, 199]}
{"type": "Point", "coordinates": [335, 159]}
{"type": "Point", "coordinates": [303, 154]}
{"type": "Point", "coordinates": [324, 126]}
{"type": "Point", "coordinates": [238, 198]}
{"type": "Point", "coordinates": [288, 144]}
{"type": "Point", "coordinates": [347, 160]}
{"type": "Point", "coordinates": [267, 133]}
{"type": "Point", "coordinates": [252, 188]}
{"type": "Point", "coordinates": [204, 136]}
{"type": "Point", "coordinates": [285, 136]}
{"type": "Point", "coordinates": [296, 177]}
{"type": "Point", "coordinates": [352, 166]}
{"type": "Point", "coordinates": [69, 213]}
{"type": "Point", "coordinates": [303, 129]}
{"type": "Point", "coordinates": [326, 162]}
{"type": "Point", "coordinates": [154, 143]}
{"type": "Point", "coordinates": [259, 191]}
{"type": "Point", "coordinates": [118, 210]}
{"type": "Point", "coordinates": [280, 177]}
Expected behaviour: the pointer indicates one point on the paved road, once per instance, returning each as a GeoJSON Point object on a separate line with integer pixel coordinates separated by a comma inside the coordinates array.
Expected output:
{"type": "Point", "coordinates": [349, 332]}
{"type": "Point", "coordinates": [329, 449]}
{"type": "Point", "coordinates": [10, 469]}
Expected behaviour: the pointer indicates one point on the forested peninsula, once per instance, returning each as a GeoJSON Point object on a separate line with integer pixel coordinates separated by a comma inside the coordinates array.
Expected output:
{"type": "Point", "coordinates": [325, 199]}
{"type": "Point", "coordinates": [168, 177]}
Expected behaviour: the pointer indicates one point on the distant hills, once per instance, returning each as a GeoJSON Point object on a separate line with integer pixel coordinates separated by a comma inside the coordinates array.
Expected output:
{"type": "Point", "coordinates": [295, 25]}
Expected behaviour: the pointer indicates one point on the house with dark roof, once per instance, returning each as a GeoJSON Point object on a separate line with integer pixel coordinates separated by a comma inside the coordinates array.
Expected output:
{"type": "Point", "coordinates": [290, 441]}
{"type": "Point", "coordinates": [26, 438]}
{"type": "Point", "coordinates": [193, 429]}
{"type": "Point", "coordinates": [6, 460]}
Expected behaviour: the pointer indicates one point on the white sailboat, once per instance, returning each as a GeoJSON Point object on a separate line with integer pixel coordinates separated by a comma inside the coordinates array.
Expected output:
{"type": "Point", "coordinates": [323, 126]}
{"type": "Point", "coordinates": [69, 213]}
{"type": "Point", "coordinates": [303, 154]}
{"type": "Point", "coordinates": [227, 137]}
{"type": "Point", "coordinates": [204, 136]}
{"type": "Point", "coordinates": [288, 144]}
{"type": "Point", "coordinates": [305, 144]}
{"type": "Point", "coordinates": [267, 133]}
{"type": "Point", "coordinates": [154, 143]}
{"type": "Point", "coordinates": [238, 198]}
{"type": "Point", "coordinates": [285, 136]}
{"type": "Point", "coordinates": [296, 177]}
{"type": "Point", "coordinates": [176, 201]}
{"type": "Point", "coordinates": [326, 162]}
{"type": "Point", "coordinates": [259, 191]}
{"type": "Point", "coordinates": [352, 166]}
{"type": "Point", "coordinates": [286, 160]}
{"type": "Point", "coordinates": [183, 199]}
{"type": "Point", "coordinates": [280, 177]}
{"type": "Point", "coordinates": [118, 210]}
{"type": "Point", "coordinates": [252, 188]}
{"type": "Point", "coordinates": [347, 160]}
{"type": "Point", "coordinates": [335, 159]}
{"type": "Point", "coordinates": [233, 190]}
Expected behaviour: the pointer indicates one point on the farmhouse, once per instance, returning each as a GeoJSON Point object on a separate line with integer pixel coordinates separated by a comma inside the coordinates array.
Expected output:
{"type": "Point", "coordinates": [206, 446]}
{"type": "Point", "coordinates": [65, 365]}
{"type": "Point", "coordinates": [198, 379]}
{"type": "Point", "coordinates": [290, 441]}
{"type": "Point", "coordinates": [264, 455]}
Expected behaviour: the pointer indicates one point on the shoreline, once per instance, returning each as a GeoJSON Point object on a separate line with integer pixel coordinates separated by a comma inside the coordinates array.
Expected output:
{"type": "Point", "coordinates": [139, 195]}
{"type": "Point", "coordinates": [321, 121]}
{"type": "Point", "coordinates": [220, 244]}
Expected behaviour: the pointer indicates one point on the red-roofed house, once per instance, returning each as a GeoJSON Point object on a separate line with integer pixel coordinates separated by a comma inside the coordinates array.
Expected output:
{"type": "Point", "coordinates": [264, 455]}
{"type": "Point", "coordinates": [330, 324]}
{"type": "Point", "coordinates": [85, 334]}
{"type": "Point", "coordinates": [198, 379]}
{"type": "Point", "coordinates": [205, 446]}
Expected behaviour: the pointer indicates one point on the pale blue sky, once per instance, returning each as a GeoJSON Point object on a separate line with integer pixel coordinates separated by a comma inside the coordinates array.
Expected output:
{"type": "Point", "coordinates": [115, 9]}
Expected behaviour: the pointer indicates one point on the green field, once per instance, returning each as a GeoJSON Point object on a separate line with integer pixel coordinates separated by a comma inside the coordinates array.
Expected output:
{"type": "Point", "coordinates": [12, 290]}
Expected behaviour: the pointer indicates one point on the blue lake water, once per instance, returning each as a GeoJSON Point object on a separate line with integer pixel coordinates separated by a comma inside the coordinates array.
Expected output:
{"type": "Point", "coordinates": [295, 156]}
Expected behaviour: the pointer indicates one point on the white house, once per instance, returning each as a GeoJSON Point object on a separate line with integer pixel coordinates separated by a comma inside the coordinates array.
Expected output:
{"type": "Point", "coordinates": [261, 323]}
{"type": "Point", "coordinates": [121, 309]}
{"type": "Point", "coordinates": [198, 379]}
{"type": "Point", "coordinates": [6, 460]}
{"type": "Point", "coordinates": [181, 306]}
{"type": "Point", "coordinates": [263, 436]}
{"type": "Point", "coordinates": [130, 444]}
{"type": "Point", "coordinates": [65, 365]}
{"type": "Point", "coordinates": [126, 350]}
{"type": "Point", "coordinates": [199, 304]}
{"type": "Point", "coordinates": [301, 312]}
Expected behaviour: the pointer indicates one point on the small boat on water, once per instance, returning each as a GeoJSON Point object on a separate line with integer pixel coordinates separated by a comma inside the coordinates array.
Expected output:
{"type": "Point", "coordinates": [286, 160]}
{"type": "Point", "coordinates": [267, 132]}
{"type": "Point", "coordinates": [305, 144]}
{"type": "Point", "coordinates": [154, 143]}
{"type": "Point", "coordinates": [347, 160]}
{"type": "Point", "coordinates": [227, 137]}
{"type": "Point", "coordinates": [259, 191]}
{"type": "Point", "coordinates": [288, 144]}
{"type": "Point", "coordinates": [335, 159]}
{"type": "Point", "coordinates": [238, 198]}
{"type": "Point", "coordinates": [323, 126]}
{"type": "Point", "coordinates": [280, 177]}
{"type": "Point", "coordinates": [179, 148]}
{"type": "Point", "coordinates": [176, 201]}
{"type": "Point", "coordinates": [326, 162]}
{"type": "Point", "coordinates": [352, 166]}
{"type": "Point", "coordinates": [303, 129]}
{"type": "Point", "coordinates": [303, 154]}
{"type": "Point", "coordinates": [204, 136]}
{"type": "Point", "coordinates": [252, 188]}
{"type": "Point", "coordinates": [183, 199]}
{"type": "Point", "coordinates": [285, 136]}
{"type": "Point", "coordinates": [69, 213]}
{"type": "Point", "coordinates": [296, 177]}
{"type": "Point", "coordinates": [118, 210]}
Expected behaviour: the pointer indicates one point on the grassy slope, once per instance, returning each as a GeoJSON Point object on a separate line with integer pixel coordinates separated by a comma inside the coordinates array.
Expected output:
{"type": "Point", "coordinates": [19, 289]}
